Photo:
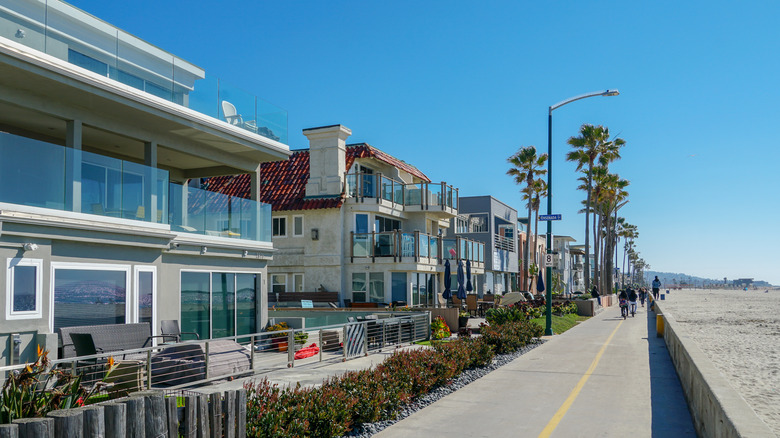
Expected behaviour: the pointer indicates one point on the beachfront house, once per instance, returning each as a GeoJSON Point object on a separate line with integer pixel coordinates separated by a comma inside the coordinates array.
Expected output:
{"type": "Point", "coordinates": [355, 220]}
{"type": "Point", "coordinates": [103, 141]}
{"type": "Point", "coordinates": [486, 219]}
{"type": "Point", "coordinates": [563, 263]}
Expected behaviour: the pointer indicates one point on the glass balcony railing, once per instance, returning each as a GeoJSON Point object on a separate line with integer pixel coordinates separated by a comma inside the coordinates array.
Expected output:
{"type": "Point", "coordinates": [39, 174]}
{"type": "Point", "coordinates": [214, 214]}
{"type": "Point", "coordinates": [426, 195]}
{"type": "Point", "coordinates": [402, 245]}
{"type": "Point", "coordinates": [72, 35]}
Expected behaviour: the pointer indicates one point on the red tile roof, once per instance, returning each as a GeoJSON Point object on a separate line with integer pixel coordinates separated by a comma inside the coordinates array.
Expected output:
{"type": "Point", "coordinates": [284, 182]}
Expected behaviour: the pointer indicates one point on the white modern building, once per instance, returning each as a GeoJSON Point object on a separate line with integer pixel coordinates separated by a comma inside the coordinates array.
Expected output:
{"type": "Point", "coordinates": [103, 138]}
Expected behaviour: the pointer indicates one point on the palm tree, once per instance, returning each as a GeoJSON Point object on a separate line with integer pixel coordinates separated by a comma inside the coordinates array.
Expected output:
{"type": "Point", "coordinates": [592, 144]}
{"type": "Point", "coordinates": [526, 168]}
{"type": "Point", "coordinates": [539, 191]}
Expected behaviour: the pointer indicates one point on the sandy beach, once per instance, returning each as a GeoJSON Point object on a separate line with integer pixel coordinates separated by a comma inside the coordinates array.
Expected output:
{"type": "Point", "coordinates": [740, 332]}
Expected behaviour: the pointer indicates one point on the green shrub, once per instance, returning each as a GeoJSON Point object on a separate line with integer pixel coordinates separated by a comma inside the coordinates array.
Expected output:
{"type": "Point", "coordinates": [510, 337]}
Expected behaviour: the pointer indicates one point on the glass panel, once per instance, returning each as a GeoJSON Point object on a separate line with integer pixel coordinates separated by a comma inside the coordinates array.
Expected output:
{"type": "Point", "coordinates": [361, 223]}
{"type": "Point", "coordinates": [434, 195]}
{"type": "Point", "coordinates": [134, 178]}
{"type": "Point", "coordinates": [87, 297]}
{"type": "Point", "coordinates": [407, 245]}
{"type": "Point", "coordinates": [351, 185]}
{"type": "Point", "coordinates": [298, 225]}
{"type": "Point", "coordinates": [423, 288]}
{"type": "Point", "coordinates": [398, 280]}
{"type": "Point", "coordinates": [278, 283]}
{"type": "Point", "coordinates": [359, 287]}
{"type": "Point", "coordinates": [360, 244]}
{"type": "Point", "coordinates": [23, 295]}
{"type": "Point", "coordinates": [448, 249]}
{"type": "Point", "coordinates": [32, 172]}
{"type": "Point", "coordinates": [463, 252]}
{"type": "Point", "coordinates": [237, 107]}
{"type": "Point", "coordinates": [434, 250]}
{"type": "Point", "coordinates": [377, 287]}
{"type": "Point", "coordinates": [385, 245]}
{"type": "Point", "coordinates": [195, 312]}
{"type": "Point", "coordinates": [387, 188]}
{"type": "Point", "coordinates": [398, 190]}
{"type": "Point", "coordinates": [368, 183]}
{"type": "Point", "coordinates": [145, 296]}
{"type": "Point", "coordinates": [424, 245]}
{"type": "Point", "coordinates": [223, 304]}
{"type": "Point", "coordinates": [415, 289]}
{"type": "Point", "coordinates": [150, 67]}
{"type": "Point", "coordinates": [246, 304]}
{"type": "Point", "coordinates": [413, 195]}
{"type": "Point", "coordinates": [23, 22]}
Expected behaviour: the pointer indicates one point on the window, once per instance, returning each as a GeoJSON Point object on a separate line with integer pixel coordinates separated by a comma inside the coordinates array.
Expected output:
{"type": "Point", "coordinates": [219, 304]}
{"type": "Point", "coordinates": [146, 295]}
{"type": "Point", "coordinates": [478, 224]}
{"type": "Point", "coordinates": [280, 227]}
{"type": "Point", "coordinates": [297, 226]}
{"type": "Point", "coordinates": [85, 294]}
{"type": "Point", "coordinates": [359, 287]}
{"type": "Point", "coordinates": [23, 289]}
{"type": "Point", "coordinates": [278, 283]}
{"type": "Point", "coordinates": [386, 224]}
{"type": "Point", "coordinates": [376, 287]}
{"type": "Point", "coordinates": [297, 282]}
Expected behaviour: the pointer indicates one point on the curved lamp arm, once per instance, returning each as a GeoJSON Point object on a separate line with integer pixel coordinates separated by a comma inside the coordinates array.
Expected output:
{"type": "Point", "coordinates": [584, 96]}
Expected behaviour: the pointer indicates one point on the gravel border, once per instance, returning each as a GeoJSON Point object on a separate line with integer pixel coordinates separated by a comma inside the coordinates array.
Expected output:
{"type": "Point", "coordinates": [466, 377]}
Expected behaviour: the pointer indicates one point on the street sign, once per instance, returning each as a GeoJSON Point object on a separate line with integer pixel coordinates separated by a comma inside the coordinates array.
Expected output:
{"type": "Point", "coordinates": [549, 259]}
{"type": "Point", "coordinates": [549, 217]}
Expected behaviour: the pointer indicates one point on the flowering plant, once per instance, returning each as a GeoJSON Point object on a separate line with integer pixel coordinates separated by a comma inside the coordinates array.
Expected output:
{"type": "Point", "coordinates": [439, 328]}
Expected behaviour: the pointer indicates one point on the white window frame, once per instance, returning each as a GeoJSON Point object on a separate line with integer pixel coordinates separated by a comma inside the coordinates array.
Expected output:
{"type": "Point", "coordinates": [137, 295]}
{"type": "Point", "coordinates": [129, 301]}
{"type": "Point", "coordinates": [294, 218]}
{"type": "Point", "coordinates": [296, 282]}
{"type": "Point", "coordinates": [271, 282]}
{"type": "Point", "coordinates": [10, 265]}
{"type": "Point", "coordinates": [284, 218]}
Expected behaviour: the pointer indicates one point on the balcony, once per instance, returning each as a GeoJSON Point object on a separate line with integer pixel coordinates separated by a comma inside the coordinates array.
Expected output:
{"type": "Point", "coordinates": [413, 196]}
{"type": "Point", "coordinates": [415, 247]}
{"type": "Point", "coordinates": [43, 175]}
{"type": "Point", "coordinates": [505, 243]}
{"type": "Point", "coordinates": [74, 36]}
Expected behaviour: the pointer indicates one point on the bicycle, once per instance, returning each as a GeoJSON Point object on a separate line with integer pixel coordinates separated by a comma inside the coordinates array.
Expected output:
{"type": "Point", "coordinates": [623, 308]}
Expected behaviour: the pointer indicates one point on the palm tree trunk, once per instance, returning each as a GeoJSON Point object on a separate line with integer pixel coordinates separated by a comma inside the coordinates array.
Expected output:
{"type": "Point", "coordinates": [527, 258]}
{"type": "Point", "coordinates": [587, 231]}
{"type": "Point", "coordinates": [596, 273]}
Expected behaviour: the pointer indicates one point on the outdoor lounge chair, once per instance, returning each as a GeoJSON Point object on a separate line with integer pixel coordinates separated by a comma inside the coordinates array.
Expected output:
{"type": "Point", "coordinates": [234, 118]}
{"type": "Point", "coordinates": [171, 332]}
{"type": "Point", "coordinates": [471, 304]}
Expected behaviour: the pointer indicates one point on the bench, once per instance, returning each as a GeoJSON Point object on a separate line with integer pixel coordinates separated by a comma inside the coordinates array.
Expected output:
{"type": "Point", "coordinates": [294, 299]}
{"type": "Point", "coordinates": [365, 305]}
{"type": "Point", "coordinates": [111, 337]}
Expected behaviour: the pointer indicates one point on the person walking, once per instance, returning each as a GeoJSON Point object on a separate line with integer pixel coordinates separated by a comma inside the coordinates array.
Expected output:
{"type": "Point", "coordinates": [642, 295]}
{"type": "Point", "coordinates": [656, 287]}
{"type": "Point", "coordinates": [595, 294]}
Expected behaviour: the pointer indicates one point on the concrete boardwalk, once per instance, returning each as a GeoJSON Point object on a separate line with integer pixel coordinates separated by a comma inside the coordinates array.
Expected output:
{"type": "Point", "coordinates": [604, 378]}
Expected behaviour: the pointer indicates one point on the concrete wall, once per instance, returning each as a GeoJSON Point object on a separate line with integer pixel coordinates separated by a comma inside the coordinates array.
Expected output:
{"type": "Point", "coordinates": [716, 408]}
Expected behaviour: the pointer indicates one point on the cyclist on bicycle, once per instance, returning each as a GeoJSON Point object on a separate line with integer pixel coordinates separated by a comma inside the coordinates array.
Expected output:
{"type": "Point", "coordinates": [623, 300]}
{"type": "Point", "coordinates": [632, 300]}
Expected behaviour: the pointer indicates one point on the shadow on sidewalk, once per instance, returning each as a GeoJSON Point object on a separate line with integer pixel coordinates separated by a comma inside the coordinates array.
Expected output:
{"type": "Point", "coordinates": [669, 410]}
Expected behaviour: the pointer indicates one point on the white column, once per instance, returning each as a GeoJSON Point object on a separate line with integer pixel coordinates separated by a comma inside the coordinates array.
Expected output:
{"type": "Point", "coordinates": [150, 181]}
{"type": "Point", "coordinates": [73, 167]}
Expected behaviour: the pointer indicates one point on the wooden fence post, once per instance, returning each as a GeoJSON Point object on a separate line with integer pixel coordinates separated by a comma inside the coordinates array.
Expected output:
{"type": "Point", "coordinates": [94, 421]}
{"type": "Point", "coordinates": [215, 414]}
{"type": "Point", "coordinates": [35, 427]}
{"type": "Point", "coordinates": [116, 423]}
{"type": "Point", "coordinates": [156, 420]}
{"type": "Point", "coordinates": [229, 417]}
{"type": "Point", "coordinates": [241, 413]}
{"type": "Point", "coordinates": [68, 423]}
{"type": "Point", "coordinates": [135, 418]}
{"type": "Point", "coordinates": [190, 425]}
{"type": "Point", "coordinates": [203, 430]}
{"type": "Point", "coordinates": [9, 431]}
{"type": "Point", "coordinates": [173, 417]}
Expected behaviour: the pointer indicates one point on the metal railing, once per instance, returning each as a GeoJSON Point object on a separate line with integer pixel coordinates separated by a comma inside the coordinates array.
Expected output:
{"type": "Point", "coordinates": [417, 246]}
{"type": "Point", "coordinates": [175, 366]}
{"type": "Point", "coordinates": [379, 187]}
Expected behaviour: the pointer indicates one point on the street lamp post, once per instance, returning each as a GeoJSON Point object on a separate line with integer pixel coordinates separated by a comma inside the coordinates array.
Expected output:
{"type": "Point", "coordinates": [548, 329]}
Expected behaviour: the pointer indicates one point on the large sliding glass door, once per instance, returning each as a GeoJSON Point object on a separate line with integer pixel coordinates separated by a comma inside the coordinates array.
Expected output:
{"type": "Point", "coordinates": [219, 304]}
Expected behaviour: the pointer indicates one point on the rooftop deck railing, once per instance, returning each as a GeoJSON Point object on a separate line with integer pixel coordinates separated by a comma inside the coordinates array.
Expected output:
{"type": "Point", "coordinates": [415, 246]}
{"type": "Point", "coordinates": [380, 187]}
{"type": "Point", "coordinates": [34, 173]}
{"type": "Point", "coordinates": [72, 35]}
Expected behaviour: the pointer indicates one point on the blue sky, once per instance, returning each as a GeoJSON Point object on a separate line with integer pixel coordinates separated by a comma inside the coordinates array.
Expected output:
{"type": "Point", "coordinates": [456, 87]}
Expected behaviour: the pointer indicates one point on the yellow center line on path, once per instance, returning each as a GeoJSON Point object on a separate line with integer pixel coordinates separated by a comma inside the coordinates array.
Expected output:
{"type": "Point", "coordinates": [576, 391]}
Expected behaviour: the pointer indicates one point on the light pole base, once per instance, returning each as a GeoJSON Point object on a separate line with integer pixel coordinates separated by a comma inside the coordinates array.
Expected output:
{"type": "Point", "coordinates": [549, 332]}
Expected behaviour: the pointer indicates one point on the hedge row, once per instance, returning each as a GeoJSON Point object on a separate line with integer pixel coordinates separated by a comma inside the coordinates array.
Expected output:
{"type": "Point", "coordinates": [377, 394]}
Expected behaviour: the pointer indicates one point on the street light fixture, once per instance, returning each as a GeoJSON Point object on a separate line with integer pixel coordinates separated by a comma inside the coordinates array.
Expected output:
{"type": "Point", "coordinates": [548, 329]}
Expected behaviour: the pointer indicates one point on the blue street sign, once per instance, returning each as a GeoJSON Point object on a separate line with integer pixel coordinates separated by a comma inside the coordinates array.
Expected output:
{"type": "Point", "coordinates": [549, 217]}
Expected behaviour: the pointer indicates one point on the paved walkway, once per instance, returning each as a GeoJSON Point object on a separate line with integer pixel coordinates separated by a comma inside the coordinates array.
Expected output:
{"type": "Point", "coordinates": [604, 378]}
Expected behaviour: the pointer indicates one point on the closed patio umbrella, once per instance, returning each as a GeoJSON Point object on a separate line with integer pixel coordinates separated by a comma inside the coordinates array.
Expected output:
{"type": "Point", "coordinates": [469, 287]}
{"type": "Point", "coordinates": [447, 294]}
{"type": "Point", "coordinates": [540, 283]}
{"type": "Point", "coordinates": [461, 280]}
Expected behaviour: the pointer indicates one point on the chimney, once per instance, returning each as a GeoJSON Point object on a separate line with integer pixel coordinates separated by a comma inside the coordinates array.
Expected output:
{"type": "Point", "coordinates": [327, 159]}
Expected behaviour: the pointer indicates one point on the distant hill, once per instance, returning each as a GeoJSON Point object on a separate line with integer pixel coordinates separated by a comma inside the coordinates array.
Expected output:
{"type": "Point", "coordinates": [672, 278]}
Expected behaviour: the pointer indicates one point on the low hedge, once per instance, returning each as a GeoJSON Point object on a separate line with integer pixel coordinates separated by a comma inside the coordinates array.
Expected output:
{"type": "Point", "coordinates": [376, 394]}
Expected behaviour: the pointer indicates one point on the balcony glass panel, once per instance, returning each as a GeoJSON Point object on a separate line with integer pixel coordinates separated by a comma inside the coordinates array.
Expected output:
{"type": "Point", "coordinates": [413, 194]}
{"type": "Point", "coordinates": [72, 35]}
{"type": "Point", "coordinates": [387, 189]}
{"type": "Point", "coordinates": [449, 249]}
{"type": "Point", "coordinates": [351, 185]}
{"type": "Point", "coordinates": [385, 245]}
{"type": "Point", "coordinates": [32, 172]}
{"type": "Point", "coordinates": [360, 245]}
{"type": "Point", "coordinates": [424, 241]}
{"type": "Point", "coordinates": [435, 195]}
{"type": "Point", "coordinates": [398, 190]}
{"type": "Point", "coordinates": [434, 249]}
{"type": "Point", "coordinates": [407, 245]}
{"type": "Point", "coordinates": [482, 253]}
{"type": "Point", "coordinates": [214, 214]}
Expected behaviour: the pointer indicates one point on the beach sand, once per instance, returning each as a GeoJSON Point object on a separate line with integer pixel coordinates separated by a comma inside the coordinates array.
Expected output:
{"type": "Point", "coordinates": [740, 332]}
